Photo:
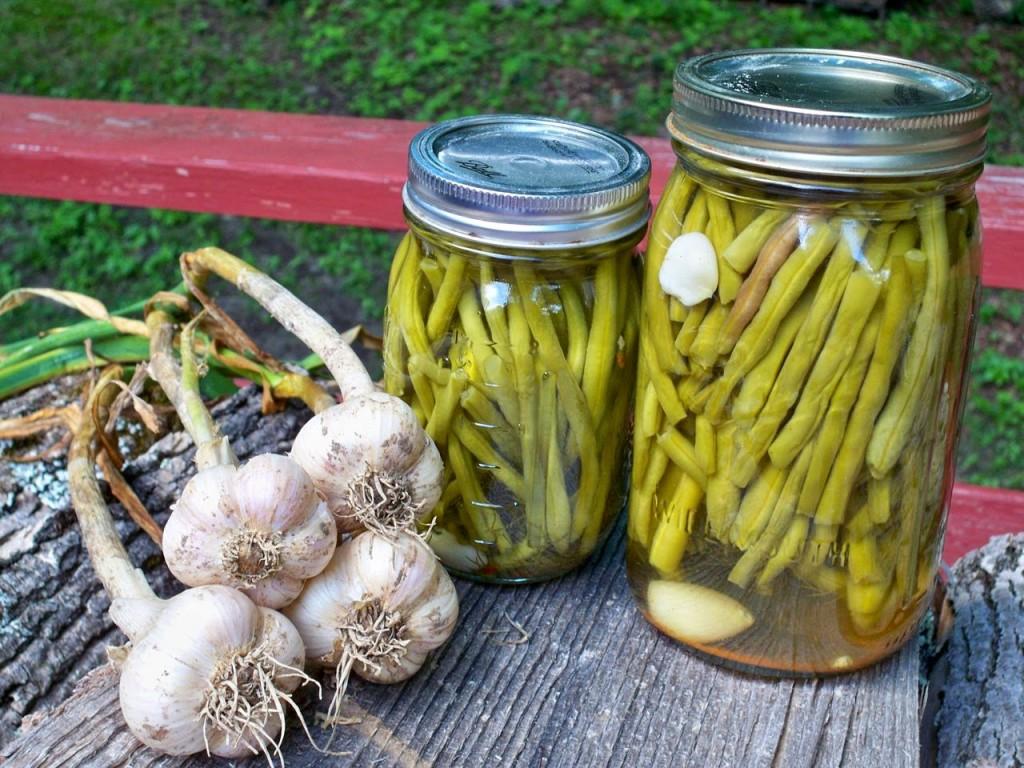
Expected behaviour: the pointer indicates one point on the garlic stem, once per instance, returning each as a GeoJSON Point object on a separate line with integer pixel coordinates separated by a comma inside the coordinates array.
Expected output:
{"type": "Point", "coordinates": [109, 558]}
{"type": "Point", "coordinates": [281, 383]}
{"type": "Point", "coordinates": [212, 448]}
{"type": "Point", "coordinates": [315, 332]}
{"type": "Point", "coordinates": [208, 667]}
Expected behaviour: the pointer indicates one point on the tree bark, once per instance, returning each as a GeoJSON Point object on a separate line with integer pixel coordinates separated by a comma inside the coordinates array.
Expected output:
{"type": "Point", "coordinates": [981, 717]}
{"type": "Point", "coordinates": [53, 622]}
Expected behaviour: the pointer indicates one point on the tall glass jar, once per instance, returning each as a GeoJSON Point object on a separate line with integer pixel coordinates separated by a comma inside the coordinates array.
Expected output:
{"type": "Point", "coordinates": [512, 328]}
{"type": "Point", "coordinates": [808, 303]}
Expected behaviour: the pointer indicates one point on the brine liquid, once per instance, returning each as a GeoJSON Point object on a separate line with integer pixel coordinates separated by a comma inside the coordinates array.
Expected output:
{"type": "Point", "coordinates": [794, 431]}
{"type": "Point", "coordinates": [797, 629]}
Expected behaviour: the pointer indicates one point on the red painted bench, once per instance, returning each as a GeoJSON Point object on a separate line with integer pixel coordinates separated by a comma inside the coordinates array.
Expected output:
{"type": "Point", "coordinates": [343, 170]}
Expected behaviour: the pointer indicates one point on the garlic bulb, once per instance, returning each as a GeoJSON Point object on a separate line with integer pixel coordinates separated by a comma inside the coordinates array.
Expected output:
{"type": "Point", "coordinates": [260, 528]}
{"type": "Point", "coordinates": [369, 457]}
{"type": "Point", "coordinates": [207, 668]}
{"type": "Point", "coordinates": [372, 462]}
{"type": "Point", "coordinates": [381, 605]}
{"type": "Point", "coordinates": [214, 671]}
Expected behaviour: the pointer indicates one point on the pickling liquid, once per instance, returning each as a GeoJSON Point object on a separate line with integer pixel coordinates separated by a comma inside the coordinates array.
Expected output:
{"type": "Point", "coordinates": [797, 629]}
{"type": "Point", "coordinates": [522, 373]}
{"type": "Point", "coordinates": [794, 431]}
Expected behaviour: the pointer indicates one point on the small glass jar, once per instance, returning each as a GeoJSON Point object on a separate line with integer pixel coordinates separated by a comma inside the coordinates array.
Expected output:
{"type": "Point", "coordinates": [808, 302]}
{"type": "Point", "coordinates": [511, 330]}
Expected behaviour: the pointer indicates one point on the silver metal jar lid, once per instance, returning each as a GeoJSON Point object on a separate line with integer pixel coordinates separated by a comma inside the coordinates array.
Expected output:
{"type": "Point", "coordinates": [837, 113]}
{"type": "Point", "coordinates": [527, 182]}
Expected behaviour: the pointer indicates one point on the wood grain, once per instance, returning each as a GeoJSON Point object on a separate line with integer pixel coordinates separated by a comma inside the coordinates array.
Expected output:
{"type": "Point", "coordinates": [595, 685]}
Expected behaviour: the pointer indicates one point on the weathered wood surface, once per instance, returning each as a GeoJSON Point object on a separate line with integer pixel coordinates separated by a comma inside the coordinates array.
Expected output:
{"type": "Point", "coordinates": [595, 685]}
{"type": "Point", "coordinates": [53, 624]}
{"type": "Point", "coordinates": [330, 169]}
{"type": "Point", "coordinates": [981, 720]}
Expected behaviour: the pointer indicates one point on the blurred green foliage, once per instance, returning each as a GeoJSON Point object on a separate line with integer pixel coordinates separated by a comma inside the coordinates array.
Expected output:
{"type": "Point", "coordinates": [603, 61]}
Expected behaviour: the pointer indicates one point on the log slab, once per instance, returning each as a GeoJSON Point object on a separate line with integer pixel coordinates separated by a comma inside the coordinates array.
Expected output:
{"type": "Point", "coordinates": [595, 684]}
{"type": "Point", "coordinates": [981, 718]}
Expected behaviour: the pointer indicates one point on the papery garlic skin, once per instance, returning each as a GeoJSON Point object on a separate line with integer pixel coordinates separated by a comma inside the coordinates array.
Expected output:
{"type": "Point", "coordinates": [372, 462]}
{"type": "Point", "coordinates": [204, 641]}
{"type": "Point", "coordinates": [260, 528]}
{"type": "Point", "coordinates": [396, 576]}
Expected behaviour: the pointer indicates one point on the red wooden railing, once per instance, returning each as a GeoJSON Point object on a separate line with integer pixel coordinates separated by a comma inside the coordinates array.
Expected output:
{"type": "Point", "coordinates": [343, 170]}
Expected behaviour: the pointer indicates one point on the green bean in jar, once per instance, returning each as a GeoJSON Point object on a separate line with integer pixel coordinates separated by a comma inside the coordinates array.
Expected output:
{"type": "Point", "coordinates": [804, 341]}
{"type": "Point", "coordinates": [514, 339]}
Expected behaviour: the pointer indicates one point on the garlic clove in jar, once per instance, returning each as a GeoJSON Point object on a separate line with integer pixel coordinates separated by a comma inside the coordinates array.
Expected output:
{"type": "Point", "coordinates": [690, 269]}
{"type": "Point", "coordinates": [372, 462]}
{"type": "Point", "coordinates": [379, 608]}
{"type": "Point", "coordinates": [261, 528]}
{"type": "Point", "coordinates": [214, 670]}
{"type": "Point", "coordinates": [461, 557]}
{"type": "Point", "coordinates": [694, 613]}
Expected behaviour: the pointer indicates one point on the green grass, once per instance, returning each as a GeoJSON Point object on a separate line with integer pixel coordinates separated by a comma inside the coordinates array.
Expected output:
{"type": "Point", "coordinates": [603, 61]}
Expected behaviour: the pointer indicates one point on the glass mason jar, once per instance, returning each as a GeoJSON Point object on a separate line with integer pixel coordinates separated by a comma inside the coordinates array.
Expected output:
{"type": "Point", "coordinates": [511, 330]}
{"type": "Point", "coordinates": [808, 301]}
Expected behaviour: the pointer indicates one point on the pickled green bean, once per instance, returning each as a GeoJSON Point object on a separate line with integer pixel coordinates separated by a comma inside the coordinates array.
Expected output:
{"type": "Point", "coordinates": [601, 343]}
{"type": "Point", "coordinates": [893, 429]}
{"type": "Point", "coordinates": [480, 518]}
{"type": "Point", "coordinates": [781, 296]}
{"type": "Point", "coordinates": [722, 233]}
{"type": "Point", "coordinates": [673, 532]}
{"type": "Point", "coordinates": [892, 333]}
{"type": "Point", "coordinates": [809, 341]}
{"type": "Point", "coordinates": [746, 568]}
{"type": "Point", "coordinates": [835, 425]}
{"type": "Point", "coordinates": [691, 326]}
{"type": "Point", "coordinates": [758, 383]}
{"type": "Point", "coordinates": [447, 298]}
{"type": "Point", "coordinates": [743, 251]}
{"type": "Point", "coordinates": [723, 498]}
{"type": "Point", "coordinates": [534, 495]}
{"type": "Point", "coordinates": [663, 230]}
{"type": "Point", "coordinates": [578, 328]}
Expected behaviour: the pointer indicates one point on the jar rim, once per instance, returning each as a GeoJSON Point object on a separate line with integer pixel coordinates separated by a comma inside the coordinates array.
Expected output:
{"type": "Point", "coordinates": [833, 112]}
{"type": "Point", "coordinates": [527, 181]}
{"type": "Point", "coordinates": [509, 251]}
{"type": "Point", "coordinates": [740, 181]}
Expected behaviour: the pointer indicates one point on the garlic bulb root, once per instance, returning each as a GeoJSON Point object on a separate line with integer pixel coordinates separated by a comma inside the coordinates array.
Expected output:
{"type": "Point", "coordinates": [251, 556]}
{"type": "Point", "coordinates": [381, 501]}
{"type": "Point", "coordinates": [378, 609]}
{"type": "Point", "coordinates": [260, 528]}
{"type": "Point", "coordinates": [384, 475]}
{"type": "Point", "coordinates": [369, 636]}
{"type": "Point", "coordinates": [214, 672]}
